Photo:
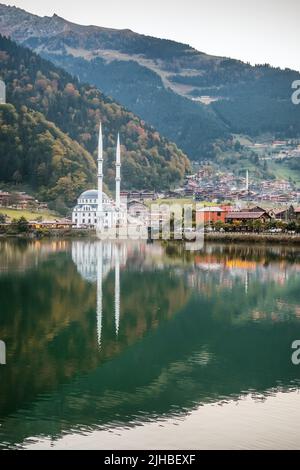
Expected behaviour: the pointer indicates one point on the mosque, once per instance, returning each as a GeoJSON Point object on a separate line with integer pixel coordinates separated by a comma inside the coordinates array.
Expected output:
{"type": "Point", "coordinates": [94, 208]}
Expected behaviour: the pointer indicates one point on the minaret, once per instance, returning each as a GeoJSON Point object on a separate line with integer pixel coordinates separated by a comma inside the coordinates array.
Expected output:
{"type": "Point", "coordinates": [100, 174]}
{"type": "Point", "coordinates": [247, 181]}
{"type": "Point", "coordinates": [118, 175]}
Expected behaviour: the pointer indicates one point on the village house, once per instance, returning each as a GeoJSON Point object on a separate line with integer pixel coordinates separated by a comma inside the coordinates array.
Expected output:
{"type": "Point", "coordinates": [284, 214]}
{"type": "Point", "coordinates": [138, 195]}
{"type": "Point", "coordinates": [256, 209]}
{"type": "Point", "coordinates": [138, 209]}
{"type": "Point", "coordinates": [57, 224]}
{"type": "Point", "coordinates": [4, 198]}
{"type": "Point", "coordinates": [297, 214]}
{"type": "Point", "coordinates": [25, 201]}
{"type": "Point", "coordinates": [20, 200]}
{"type": "Point", "coordinates": [210, 215]}
{"type": "Point", "coordinates": [247, 216]}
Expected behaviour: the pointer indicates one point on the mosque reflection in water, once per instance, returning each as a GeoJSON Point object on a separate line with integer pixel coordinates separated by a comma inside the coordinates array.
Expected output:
{"type": "Point", "coordinates": [101, 334]}
{"type": "Point", "coordinates": [94, 262]}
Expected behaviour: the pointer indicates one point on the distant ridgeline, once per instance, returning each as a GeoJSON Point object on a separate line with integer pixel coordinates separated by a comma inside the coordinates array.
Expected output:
{"type": "Point", "coordinates": [49, 129]}
{"type": "Point", "coordinates": [166, 82]}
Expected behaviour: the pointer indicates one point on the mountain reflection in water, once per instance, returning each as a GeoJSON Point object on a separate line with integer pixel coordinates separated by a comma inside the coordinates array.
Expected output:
{"type": "Point", "coordinates": [107, 334]}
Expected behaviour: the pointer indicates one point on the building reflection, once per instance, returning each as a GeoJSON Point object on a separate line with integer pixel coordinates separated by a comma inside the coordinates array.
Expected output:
{"type": "Point", "coordinates": [174, 332]}
{"type": "Point", "coordinates": [94, 261]}
{"type": "Point", "coordinates": [17, 256]}
{"type": "Point", "coordinates": [2, 353]}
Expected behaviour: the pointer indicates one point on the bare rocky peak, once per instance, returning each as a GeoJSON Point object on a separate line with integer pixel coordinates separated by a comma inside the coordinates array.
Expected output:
{"type": "Point", "coordinates": [21, 25]}
{"type": "Point", "coordinates": [57, 35]}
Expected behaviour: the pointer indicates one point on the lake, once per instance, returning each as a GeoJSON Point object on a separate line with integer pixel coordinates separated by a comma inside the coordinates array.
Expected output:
{"type": "Point", "coordinates": [132, 345]}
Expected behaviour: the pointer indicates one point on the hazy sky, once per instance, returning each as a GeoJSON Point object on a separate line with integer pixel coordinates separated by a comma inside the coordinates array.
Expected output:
{"type": "Point", "coordinates": [257, 31]}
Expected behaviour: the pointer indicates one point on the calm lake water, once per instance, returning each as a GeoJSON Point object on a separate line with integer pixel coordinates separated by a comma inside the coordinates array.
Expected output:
{"type": "Point", "coordinates": [133, 345]}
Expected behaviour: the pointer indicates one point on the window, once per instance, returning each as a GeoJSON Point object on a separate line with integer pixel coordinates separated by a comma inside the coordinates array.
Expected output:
{"type": "Point", "coordinates": [219, 214]}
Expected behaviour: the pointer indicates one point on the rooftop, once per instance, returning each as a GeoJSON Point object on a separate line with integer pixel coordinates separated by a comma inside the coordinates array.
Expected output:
{"type": "Point", "coordinates": [244, 215]}
{"type": "Point", "coordinates": [210, 209]}
{"type": "Point", "coordinates": [92, 194]}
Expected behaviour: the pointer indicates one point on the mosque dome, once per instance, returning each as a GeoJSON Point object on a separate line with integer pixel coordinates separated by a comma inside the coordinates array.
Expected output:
{"type": "Point", "coordinates": [92, 194]}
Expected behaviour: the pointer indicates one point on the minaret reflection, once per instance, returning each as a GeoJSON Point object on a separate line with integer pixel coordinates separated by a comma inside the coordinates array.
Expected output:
{"type": "Point", "coordinates": [117, 290]}
{"type": "Point", "coordinates": [247, 282]}
{"type": "Point", "coordinates": [94, 261]}
{"type": "Point", "coordinates": [99, 293]}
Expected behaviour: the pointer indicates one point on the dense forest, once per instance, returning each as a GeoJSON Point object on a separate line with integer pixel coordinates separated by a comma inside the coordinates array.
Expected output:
{"type": "Point", "coordinates": [35, 153]}
{"type": "Point", "coordinates": [149, 160]}
{"type": "Point", "coordinates": [194, 127]}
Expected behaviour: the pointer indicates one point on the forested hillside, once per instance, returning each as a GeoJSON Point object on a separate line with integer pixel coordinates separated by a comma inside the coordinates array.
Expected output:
{"type": "Point", "coordinates": [149, 160]}
{"type": "Point", "coordinates": [194, 99]}
{"type": "Point", "coordinates": [194, 127]}
{"type": "Point", "coordinates": [35, 153]}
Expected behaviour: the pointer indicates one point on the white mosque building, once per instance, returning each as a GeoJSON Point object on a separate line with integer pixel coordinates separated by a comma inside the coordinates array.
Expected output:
{"type": "Point", "coordinates": [94, 208]}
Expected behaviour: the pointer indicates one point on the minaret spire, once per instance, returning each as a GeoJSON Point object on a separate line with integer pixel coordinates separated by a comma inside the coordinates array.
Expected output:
{"type": "Point", "coordinates": [118, 174]}
{"type": "Point", "coordinates": [247, 181]}
{"type": "Point", "coordinates": [100, 172]}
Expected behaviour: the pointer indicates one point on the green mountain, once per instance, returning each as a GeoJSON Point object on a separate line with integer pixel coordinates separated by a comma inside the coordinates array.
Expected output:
{"type": "Point", "coordinates": [71, 110]}
{"type": "Point", "coordinates": [35, 153]}
{"type": "Point", "coordinates": [194, 99]}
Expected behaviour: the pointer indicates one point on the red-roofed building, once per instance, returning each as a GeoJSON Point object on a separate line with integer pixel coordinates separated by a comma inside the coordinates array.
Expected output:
{"type": "Point", "coordinates": [210, 215]}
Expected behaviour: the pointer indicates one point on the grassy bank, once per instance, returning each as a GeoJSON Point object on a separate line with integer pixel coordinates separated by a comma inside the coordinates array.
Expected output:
{"type": "Point", "coordinates": [222, 237]}
{"type": "Point", "coordinates": [16, 214]}
{"type": "Point", "coordinates": [230, 237]}
{"type": "Point", "coordinates": [45, 233]}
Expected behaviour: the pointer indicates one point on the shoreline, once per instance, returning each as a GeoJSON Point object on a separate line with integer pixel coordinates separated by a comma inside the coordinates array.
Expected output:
{"type": "Point", "coordinates": [232, 237]}
{"type": "Point", "coordinates": [225, 237]}
{"type": "Point", "coordinates": [49, 234]}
